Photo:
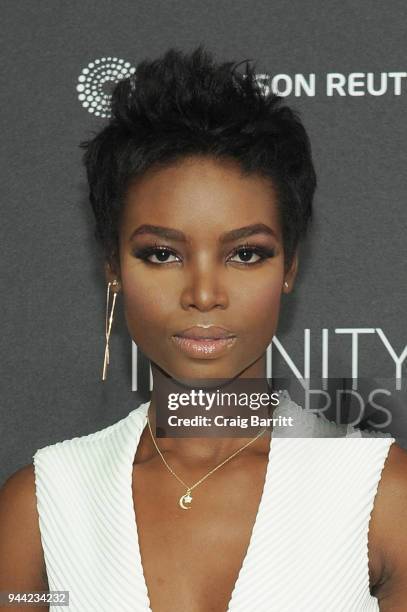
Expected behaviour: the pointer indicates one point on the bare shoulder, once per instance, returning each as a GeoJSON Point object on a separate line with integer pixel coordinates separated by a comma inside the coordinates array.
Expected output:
{"type": "Point", "coordinates": [389, 529]}
{"type": "Point", "coordinates": [17, 496]}
{"type": "Point", "coordinates": [21, 554]}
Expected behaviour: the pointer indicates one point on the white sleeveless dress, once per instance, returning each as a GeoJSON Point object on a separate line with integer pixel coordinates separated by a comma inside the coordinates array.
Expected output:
{"type": "Point", "coordinates": [308, 550]}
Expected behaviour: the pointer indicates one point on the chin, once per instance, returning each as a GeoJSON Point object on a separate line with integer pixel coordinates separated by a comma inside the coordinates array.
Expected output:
{"type": "Point", "coordinates": [204, 369]}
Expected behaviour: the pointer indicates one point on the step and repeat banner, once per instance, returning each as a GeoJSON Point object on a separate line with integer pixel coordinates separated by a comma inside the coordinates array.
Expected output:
{"type": "Point", "coordinates": [342, 66]}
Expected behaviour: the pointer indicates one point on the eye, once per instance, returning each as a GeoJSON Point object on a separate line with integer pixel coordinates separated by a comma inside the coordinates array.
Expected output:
{"type": "Point", "coordinates": [247, 251]}
{"type": "Point", "coordinates": [161, 254]}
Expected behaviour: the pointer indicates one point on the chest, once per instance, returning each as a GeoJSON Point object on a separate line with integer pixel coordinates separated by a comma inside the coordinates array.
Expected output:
{"type": "Point", "coordinates": [191, 558]}
{"type": "Point", "coordinates": [305, 524]}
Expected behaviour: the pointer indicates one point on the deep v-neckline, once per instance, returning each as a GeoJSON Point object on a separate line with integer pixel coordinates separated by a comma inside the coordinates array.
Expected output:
{"type": "Point", "coordinates": [139, 422]}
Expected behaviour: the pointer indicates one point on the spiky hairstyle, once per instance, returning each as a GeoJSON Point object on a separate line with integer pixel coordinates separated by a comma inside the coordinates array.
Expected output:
{"type": "Point", "coordinates": [185, 104]}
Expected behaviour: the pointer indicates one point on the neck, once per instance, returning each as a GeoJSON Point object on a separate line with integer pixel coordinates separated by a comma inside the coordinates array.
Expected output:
{"type": "Point", "coordinates": [199, 452]}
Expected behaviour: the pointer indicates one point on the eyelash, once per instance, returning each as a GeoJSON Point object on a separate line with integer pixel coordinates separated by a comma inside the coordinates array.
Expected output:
{"type": "Point", "coordinates": [146, 252]}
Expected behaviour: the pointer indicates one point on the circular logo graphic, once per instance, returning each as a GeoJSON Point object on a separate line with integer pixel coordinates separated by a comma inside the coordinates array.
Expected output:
{"type": "Point", "coordinates": [96, 81]}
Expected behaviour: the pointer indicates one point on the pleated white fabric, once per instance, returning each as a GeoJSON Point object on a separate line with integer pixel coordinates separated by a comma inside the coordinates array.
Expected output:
{"type": "Point", "coordinates": [308, 550]}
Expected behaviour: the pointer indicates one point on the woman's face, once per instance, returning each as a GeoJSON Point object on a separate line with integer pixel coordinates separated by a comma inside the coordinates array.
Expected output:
{"type": "Point", "coordinates": [204, 270]}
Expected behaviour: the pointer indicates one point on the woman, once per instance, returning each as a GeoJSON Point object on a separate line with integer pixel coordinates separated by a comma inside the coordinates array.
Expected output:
{"type": "Point", "coordinates": [202, 186]}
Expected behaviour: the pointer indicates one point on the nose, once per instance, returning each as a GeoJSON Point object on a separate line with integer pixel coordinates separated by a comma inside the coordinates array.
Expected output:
{"type": "Point", "coordinates": [204, 289]}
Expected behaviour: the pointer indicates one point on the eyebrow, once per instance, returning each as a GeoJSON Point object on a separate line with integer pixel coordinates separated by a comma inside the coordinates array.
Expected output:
{"type": "Point", "coordinates": [178, 236]}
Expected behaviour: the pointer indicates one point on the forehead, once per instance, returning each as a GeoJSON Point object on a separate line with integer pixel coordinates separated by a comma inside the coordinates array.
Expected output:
{"type": "Point", "coordinates": [200, 194]}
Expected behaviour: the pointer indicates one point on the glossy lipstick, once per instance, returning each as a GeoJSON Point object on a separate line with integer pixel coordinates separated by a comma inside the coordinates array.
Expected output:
{"type": "Point", "coordinates": [204, 342]}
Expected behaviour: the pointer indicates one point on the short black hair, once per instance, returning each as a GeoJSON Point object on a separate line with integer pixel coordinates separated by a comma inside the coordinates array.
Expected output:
{"type": "Point", "coordinates": [184, 104]}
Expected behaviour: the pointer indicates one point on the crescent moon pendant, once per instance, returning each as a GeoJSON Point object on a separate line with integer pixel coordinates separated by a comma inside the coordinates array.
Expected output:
{"type": "Point", "coordinates": [185, 499]}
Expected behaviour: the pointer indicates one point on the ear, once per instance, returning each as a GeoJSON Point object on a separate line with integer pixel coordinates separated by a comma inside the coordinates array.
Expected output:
{"type": "Point", "coordinates": [291, 274]}
{"type": "Point", "coordinates": [111, 274]}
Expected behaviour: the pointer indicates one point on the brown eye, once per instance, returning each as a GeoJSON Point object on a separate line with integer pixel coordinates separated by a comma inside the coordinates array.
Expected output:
{"type": "Point", "coordinates": [246, 254]}
{"type": "Point", "coordinates": [160, 253]}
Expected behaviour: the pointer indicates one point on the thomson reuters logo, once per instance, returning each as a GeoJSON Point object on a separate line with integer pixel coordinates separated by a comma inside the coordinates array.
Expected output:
{"type": "Point", "coordinates": [96, 81]}
{"type": "Point", "coordinates": [99, 77]}
{"type": "Point", "coordinates": [337, 84]}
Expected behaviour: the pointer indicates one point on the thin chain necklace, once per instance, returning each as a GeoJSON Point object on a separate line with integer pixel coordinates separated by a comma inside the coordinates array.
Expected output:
{"type": "Point", "coordinates": [187, 497]}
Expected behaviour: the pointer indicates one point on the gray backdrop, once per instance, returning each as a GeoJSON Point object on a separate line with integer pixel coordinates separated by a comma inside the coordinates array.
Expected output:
{"type": "Point", "coordinates": [53, 293]}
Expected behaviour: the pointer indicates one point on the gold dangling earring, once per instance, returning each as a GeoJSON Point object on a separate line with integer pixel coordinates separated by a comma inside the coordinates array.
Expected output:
{"type": "Point", "coordinates": [108, 324]}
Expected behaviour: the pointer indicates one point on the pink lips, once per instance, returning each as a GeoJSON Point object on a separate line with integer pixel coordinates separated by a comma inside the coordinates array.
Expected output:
{"type": "Point", "coordinates": [204, 342]}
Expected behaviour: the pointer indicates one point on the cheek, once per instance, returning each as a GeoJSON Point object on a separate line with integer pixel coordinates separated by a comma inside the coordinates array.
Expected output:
{"type": "Point", "coordinates": [145, 306]}
{"type": "Point", "coordinates": [260, 309]}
